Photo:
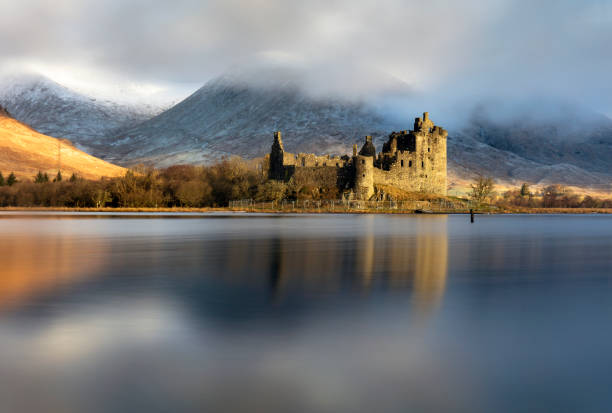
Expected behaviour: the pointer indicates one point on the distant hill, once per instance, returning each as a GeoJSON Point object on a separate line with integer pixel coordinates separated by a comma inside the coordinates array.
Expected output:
{"type": "Point", "coordinates": [232, 116]}
{"type": "Point", "coordinates": [55, 110]}
{"type": "Point", "coordinates": [25, 152]}
{"type": "Point", "coordinates": [561, 144]}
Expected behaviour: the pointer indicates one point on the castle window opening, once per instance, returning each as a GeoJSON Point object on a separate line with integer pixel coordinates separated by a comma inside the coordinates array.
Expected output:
{"type": "Point", "coordinates": [409, 164]}
{"type": "Point", "coordinates": [422, 164]}
{"type": "Point", "coordinates": [363, 161]}
{"type": "Point", "coordinates": [364, 175]}
{"type": "Point", "coordinates": [402, 163]}
{"type": "Point", "coordinates": [428, 149]}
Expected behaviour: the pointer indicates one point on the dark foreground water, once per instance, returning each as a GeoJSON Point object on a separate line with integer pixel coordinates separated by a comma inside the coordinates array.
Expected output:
{"type": "Point", "coordinates": [354, 313]}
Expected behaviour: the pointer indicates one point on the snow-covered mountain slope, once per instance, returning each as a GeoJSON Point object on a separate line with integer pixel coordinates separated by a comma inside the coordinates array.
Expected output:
{"type": "Point", "coordinates": [232, 117]}
{"type": "Point", "coordinates": [578, 137]}
{"type": "Point", "coordinates": [468, 157]}
{"type": "Point", "coordinates": [558, 144]}
{"type": "Point", "coordinates": [58, 111]}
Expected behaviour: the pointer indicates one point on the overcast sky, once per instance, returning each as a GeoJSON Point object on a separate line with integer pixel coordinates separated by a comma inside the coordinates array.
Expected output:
{"type": "Point", "coordinates": [462, 49]}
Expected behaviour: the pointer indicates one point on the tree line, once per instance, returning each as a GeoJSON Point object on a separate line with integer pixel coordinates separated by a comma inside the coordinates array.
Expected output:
{"type": "Point", "coordinates": [234, 179]}
{"type": "Point", "coordinates": [176, 186]}
{"type": "Point", "coordinates": [551, 196]}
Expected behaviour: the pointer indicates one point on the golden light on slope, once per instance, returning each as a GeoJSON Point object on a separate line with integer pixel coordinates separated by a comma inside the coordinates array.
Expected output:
{"type": "Point", "coordinates": [25, 152]}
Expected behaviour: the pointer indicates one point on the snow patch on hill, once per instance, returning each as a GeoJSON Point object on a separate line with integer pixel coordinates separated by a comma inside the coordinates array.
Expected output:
{"type": "Point", "coordinates": [55, 110]}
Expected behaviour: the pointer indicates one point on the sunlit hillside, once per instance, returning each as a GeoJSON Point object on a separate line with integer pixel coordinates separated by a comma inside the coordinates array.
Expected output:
{"type": "Point", "coordinates": [25, 152]}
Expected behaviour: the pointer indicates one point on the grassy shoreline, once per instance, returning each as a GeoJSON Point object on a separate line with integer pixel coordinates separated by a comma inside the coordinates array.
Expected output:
{"type": "Point", "coordinates": [500, 211]}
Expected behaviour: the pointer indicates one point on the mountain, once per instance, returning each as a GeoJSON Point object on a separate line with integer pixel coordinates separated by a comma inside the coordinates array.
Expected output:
{"type": "Point", "coordinates": [232, 115]}
{"type": "Point", "coordinates": [573, 136]}
{"type": "Point", "coordinates": [560, 143]}
{"type": "Point", "coordinates": [25, 152]}
{"type": "Point", "coordinates": [237, 115]}
{"type": "Point", "coordinates": [58, 111]}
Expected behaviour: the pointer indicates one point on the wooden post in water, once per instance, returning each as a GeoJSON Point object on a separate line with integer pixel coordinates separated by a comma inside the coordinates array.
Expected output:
{"type": "Point", "coordinates": [472, 216]}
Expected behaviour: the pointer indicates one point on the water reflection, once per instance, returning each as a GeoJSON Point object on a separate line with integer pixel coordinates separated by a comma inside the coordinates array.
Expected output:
{"type": "Point", "coordinates": [431, 266]}
{"type": "Point", "coordinates": [53, 254]}
{"type": "Point", "coordinates": [166, 299]}
{"type": "Point", "coordinates": [37, 264]}
{"type": "Point", "coordinates": [416, 260]}
{"type": "Point", "coordinates": [340, 313]}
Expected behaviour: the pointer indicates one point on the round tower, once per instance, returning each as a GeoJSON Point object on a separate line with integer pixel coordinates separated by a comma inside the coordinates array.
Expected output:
{"type": "Point", "coordinates": [364, 170]}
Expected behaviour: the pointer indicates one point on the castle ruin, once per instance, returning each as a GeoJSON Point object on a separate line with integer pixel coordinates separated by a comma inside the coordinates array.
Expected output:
{"type": "Point", "coordinates": [413, 161]}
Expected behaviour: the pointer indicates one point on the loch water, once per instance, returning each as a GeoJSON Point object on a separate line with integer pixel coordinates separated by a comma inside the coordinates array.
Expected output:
{"type": "Point", "coordinates": [305, 313]}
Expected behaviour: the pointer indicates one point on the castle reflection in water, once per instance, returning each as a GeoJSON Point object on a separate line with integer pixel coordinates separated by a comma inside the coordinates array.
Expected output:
{"type": "Point", "coordinates": [280, 260]}
{"type": "Point", "coordinates": [361, 261]}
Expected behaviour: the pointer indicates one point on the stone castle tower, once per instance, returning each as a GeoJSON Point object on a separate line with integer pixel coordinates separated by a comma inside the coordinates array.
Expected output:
{"type": "Point", "coordinates": [413, 161]}
{"type": "Point", "coordinates": [277, 171]}
{"type": "Point", "coordinates": [364, 170]}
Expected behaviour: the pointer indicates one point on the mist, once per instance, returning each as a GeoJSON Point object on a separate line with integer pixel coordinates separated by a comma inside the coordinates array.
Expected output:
{"type": "Point", "coordinates": [442, 56]}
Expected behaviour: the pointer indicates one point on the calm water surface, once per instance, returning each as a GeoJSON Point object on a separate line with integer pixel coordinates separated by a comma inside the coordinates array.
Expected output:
{"type": "Point", "coordinates": [338, 313]}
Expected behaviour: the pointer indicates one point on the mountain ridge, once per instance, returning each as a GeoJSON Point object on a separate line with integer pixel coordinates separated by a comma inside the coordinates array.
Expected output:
{"type": "Point", "coordinates": [55, 110]}
{"type": "Point", "coordinates": [224, 118]}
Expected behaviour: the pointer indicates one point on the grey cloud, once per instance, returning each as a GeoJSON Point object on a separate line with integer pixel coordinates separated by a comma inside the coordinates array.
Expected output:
{"type": "Point", "coordinates": [450, 51]}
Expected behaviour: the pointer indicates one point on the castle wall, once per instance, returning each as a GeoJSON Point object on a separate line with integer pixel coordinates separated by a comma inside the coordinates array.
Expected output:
{"type": "Point", "coordinates": [310, 160]}
{"type": "Point", "coordinates": [414, 161]}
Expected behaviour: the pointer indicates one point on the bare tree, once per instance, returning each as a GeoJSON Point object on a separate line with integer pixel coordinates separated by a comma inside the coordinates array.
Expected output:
{"type": "Point", "coordinates": [482, 188]}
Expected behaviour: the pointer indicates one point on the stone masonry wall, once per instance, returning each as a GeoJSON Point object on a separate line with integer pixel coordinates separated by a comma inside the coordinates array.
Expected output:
{"type": "Point", "coordinates": [414, 161]}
